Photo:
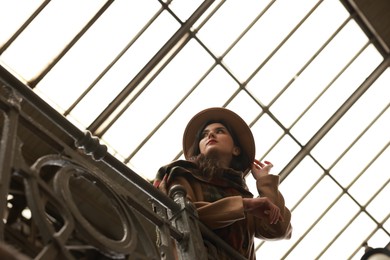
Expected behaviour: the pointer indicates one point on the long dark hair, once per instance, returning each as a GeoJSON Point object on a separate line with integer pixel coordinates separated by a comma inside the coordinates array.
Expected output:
{"type": "Point", "coordinates": [239, 163]}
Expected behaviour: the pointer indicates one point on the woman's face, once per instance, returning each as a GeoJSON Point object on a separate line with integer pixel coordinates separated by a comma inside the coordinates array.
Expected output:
{"type": "Point", "coordinates": [216, 141]}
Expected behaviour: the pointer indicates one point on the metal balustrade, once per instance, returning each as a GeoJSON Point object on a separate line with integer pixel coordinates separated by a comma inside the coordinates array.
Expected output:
{"type": "Point", "coordinates": [65, 197]}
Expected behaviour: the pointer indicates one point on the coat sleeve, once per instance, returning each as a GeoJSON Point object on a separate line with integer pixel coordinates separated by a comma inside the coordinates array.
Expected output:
{"type": "Point", "coordinates": [267, 186]}
{"type": "Point", "coordinates": [216, 214]}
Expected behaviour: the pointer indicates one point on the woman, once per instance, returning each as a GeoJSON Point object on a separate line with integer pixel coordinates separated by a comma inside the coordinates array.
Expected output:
{"type": "Point", "coordinates": [220, 151]}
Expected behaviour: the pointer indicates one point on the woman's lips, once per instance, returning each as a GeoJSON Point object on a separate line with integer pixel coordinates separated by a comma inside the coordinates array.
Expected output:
{"type": "Point", "coordinates": [211, 142]}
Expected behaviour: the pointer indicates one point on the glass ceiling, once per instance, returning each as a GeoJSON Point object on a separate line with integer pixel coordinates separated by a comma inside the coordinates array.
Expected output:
{"type": "Point", "coordinates": [134, 72]}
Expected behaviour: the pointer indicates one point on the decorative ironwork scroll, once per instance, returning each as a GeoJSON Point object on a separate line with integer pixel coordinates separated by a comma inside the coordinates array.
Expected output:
{"type": "Point", "coordinates": [60, 205]}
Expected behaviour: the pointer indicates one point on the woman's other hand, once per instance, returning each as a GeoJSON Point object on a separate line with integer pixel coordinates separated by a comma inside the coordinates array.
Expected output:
{"type": "Point", "coordinates": [262, 207]}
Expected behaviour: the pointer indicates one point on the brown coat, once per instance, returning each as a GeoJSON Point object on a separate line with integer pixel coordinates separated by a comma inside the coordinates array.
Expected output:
{"type": "Point", "coordinates": [220, 206]}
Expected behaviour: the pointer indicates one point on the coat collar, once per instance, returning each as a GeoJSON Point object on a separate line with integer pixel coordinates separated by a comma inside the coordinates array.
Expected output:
{"type": "Point", "coordinates": [227, 177]}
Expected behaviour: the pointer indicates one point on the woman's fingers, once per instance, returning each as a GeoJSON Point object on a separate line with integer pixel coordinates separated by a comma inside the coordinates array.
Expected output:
{"type": "Point", "coordinates": [263, 208]}
{"type": "Point", "coordinates": [258, 164]}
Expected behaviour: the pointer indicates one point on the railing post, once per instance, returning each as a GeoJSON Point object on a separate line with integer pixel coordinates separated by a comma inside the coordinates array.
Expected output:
{"type": "Point", "coordinates": [186, 221]}
{"type": "Point", "coordinates": [164, 239]}
{"type": "Point", "coordinates": [8, 140]}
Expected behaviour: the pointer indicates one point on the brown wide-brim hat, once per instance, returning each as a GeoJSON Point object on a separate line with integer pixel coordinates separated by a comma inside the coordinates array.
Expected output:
{"type": "Point", "coordinates": [238, 125]}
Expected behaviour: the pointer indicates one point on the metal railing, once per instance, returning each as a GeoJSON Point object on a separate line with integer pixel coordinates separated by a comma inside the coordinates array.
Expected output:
{"type": "Point", "coordinates": [65, 197]}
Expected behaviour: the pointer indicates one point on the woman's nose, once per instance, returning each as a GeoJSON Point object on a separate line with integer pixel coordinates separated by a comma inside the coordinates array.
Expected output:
{"type": "Point", "coordinates": [211, 134]}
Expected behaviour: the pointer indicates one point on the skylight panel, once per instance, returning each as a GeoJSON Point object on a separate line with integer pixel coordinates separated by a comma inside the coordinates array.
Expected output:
{"type": "Point", "coordinates": [347, 243]}
{"type": "Point", "coordinates": [367, 149]}
{"type": "Point", "coordinates": [125, 69]}
{"type": "Point", "coordinates": [14, 14]}
{"type": "Point", "coordinates": [371, 180]}
{"type": "Point", "coordinates": [266, 133]}
{"type": "Point", "coordinates": [377, 205]}
{"type": "Point", "coordinates": [333, 219]}
{"type": "Point", "coordinates": [229, 16]}
{"type": "Point", "coordinates": [264, 37]}
{"type": "Point", "coordinates": [342, 86]}
{"type": "Point", "coordinates": [47, 35]}
{"type": "Point", "coordinates": [300, 181]}
{"type": "Point", "coordinates": [353, 122]}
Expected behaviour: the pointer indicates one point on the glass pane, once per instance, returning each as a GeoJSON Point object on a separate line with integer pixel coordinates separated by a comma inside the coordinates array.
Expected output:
{"type": "Point", "coordinates": [229, 16]}
{"type": "Point", "coordinates": [332, 222]}
{"type": "Point", "coordinates": [14, 14]}
{"type": "Point", "coordinates": [300, 181]}
{"type": "Point", "coordinates": [124, 71]}
{"type": "Point", "coordinates": [318, 75]}
{"type": "Point", "coordinates": [351, 239]}
{"type": "Point", "coordinates": [369, 146]}
{"type": "Point", "coordinates": [266, 133]}
{"type": "Point", "coordinates": [270, 31]}
{"type": "Point", "coordinates": [378, 206]}
{"type": "Point", "coordinates": [352, 123]}
{"type": "Point", "coordinates": [334, 96]}
{"type": "Point", "coordinates": [90, 56]}
{"type": "Point", "coordinates": [48, 34]}
{"type": "Point", "coordinates": [372, 179]}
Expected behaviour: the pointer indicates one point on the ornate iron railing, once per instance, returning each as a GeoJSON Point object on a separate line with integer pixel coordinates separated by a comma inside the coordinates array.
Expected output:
{"type": "Point", "coordinates": [63, 196]}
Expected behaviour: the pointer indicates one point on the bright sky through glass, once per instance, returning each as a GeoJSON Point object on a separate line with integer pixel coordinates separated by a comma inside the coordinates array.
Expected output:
{"type": "Point", "coordinates": [285, 77]}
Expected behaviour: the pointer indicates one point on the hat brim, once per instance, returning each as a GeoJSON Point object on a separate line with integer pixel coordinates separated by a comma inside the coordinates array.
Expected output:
{"type": "Point", "coordinates": [240, 128]}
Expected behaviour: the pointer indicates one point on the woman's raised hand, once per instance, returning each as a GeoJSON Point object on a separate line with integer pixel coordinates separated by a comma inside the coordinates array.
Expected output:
{"type": "Point", "coordinates": [260, 169]}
